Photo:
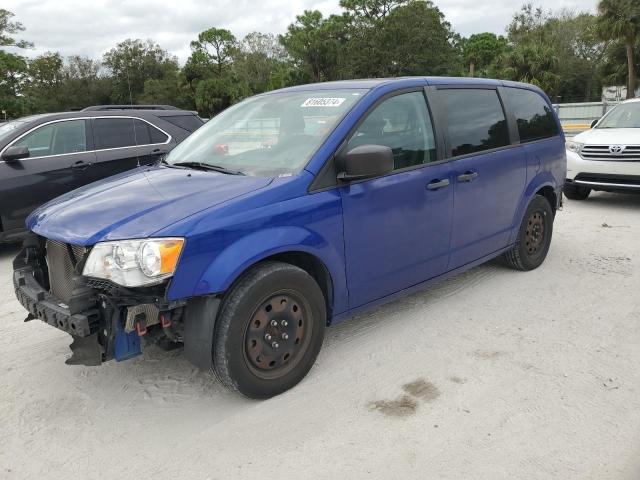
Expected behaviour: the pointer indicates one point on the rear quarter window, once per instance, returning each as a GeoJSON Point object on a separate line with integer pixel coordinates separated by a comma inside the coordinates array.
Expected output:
{"type": "Point", "coordinates": [190, 123]}
{"type": "Point", "coordinates": [533, 115]}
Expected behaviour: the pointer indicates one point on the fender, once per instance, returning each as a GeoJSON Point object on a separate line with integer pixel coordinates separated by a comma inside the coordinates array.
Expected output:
{"type": "Point", "coordinates": [542, 179]}
{"type": "Point", "coordinates": [236, 258]}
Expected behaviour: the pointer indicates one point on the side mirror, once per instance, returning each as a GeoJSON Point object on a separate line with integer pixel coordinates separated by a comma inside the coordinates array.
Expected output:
{"type": "Point", "coordinates": [14, 153]}
{"type": "Point", "coordinates": [593, 124]}
{"type": "Point", "coordinates": [366, 161]}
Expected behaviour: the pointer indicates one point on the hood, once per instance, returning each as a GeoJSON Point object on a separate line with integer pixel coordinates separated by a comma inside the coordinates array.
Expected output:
{"type": "Point", "coordinates": [136, 204]}
{"type": "Point", "coordinates": [609, 136]}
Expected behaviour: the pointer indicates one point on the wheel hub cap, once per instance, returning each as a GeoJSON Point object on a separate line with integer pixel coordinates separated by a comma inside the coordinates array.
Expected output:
{"type": "Point", "coordinates": [276, 334]}
{"type": "Point", "coordinates": [534, 236]}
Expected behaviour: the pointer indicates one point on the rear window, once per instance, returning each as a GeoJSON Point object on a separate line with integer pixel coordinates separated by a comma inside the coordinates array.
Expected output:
{"type": "Point", "coordinates": [533, 115]}
{"type": "Point", "coordinates": [190, 123]}
{"type": "Point", "coordinates": [125, 132]}
{"type": "Point", "coordinates": [476, 121]}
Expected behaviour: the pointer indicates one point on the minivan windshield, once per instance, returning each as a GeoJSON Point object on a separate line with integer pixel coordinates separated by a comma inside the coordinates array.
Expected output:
{"type": "Point", "coordinates": [272, 134]}
{"type": "Point", "coordinates": [625, 115]}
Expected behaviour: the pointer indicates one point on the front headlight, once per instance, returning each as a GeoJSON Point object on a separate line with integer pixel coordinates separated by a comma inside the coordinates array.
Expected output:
{"type": "Point", "coordinates": [574, 146]}
{"type": "Point", "coordinates": [134, 263]}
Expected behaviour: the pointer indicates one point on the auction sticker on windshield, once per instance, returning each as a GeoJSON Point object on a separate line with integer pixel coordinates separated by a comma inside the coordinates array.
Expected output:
{"type": "Point", "coordinates": [323, 102]}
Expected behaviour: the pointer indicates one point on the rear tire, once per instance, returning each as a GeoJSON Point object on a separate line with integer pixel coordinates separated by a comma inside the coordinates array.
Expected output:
{"type": "Point", "coordinates": [270, 330]}
{"type": "Point", "coordinates": [575, 192]}
{"type": "Point", "coordinates": [534, 236]}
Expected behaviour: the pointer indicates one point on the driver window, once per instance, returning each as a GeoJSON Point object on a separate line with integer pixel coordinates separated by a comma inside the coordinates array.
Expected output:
{"type": "Point", "coordinates": [57, 138]}
{"type": "Point", "coordinates": [401, 123]}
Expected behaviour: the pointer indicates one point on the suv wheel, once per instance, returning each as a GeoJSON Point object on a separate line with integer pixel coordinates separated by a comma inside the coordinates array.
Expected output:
{"type": "Point", "coordinates": [534, 236]}
{"type": "Point", "coordinates": [575, 192]}
{"type": "Point", "coordinates": [270, 330]}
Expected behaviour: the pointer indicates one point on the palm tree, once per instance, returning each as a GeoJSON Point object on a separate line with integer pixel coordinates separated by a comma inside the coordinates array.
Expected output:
{"type": "Point", "coordinates": [620, 20]}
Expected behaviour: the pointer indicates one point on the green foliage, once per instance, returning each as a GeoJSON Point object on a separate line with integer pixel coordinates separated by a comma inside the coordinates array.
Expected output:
{"type": "Point", "coordinates": [534, 63]}
{"type": "Point", "coordinates": [619, 20]}
{"type": "Point", "coordinates": [370, 10]}
{"type": "Point", "coordinates": [132, 63]}
{"type": "Point", "coordinates": [215, 94]}
{"type": "Point", "coordinates": [215, 48]}
{"type": "Point", "coordinates": [9, 28]}
{"type": "Point", "coordinates": [13, 72]}
{"type": "Point", "coordinates": [559, 52]}
{"type": "Point", "coordinates": [314, 43]}
{"type": "Point", "coordinates": [481, 52]}
{"type": "Point", "coordinates": [569, 55]}
{"type": "Point", "coordinates": [261, 62]}
{"type": "Point", "coordinates": [412, 38]}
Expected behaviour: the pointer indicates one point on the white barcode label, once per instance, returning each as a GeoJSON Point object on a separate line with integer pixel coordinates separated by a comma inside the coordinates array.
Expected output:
{"type": "Point", "coordinates": [323, 102]}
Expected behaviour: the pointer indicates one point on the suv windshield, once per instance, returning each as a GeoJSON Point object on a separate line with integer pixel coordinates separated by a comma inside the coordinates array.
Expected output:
{"type": "Point", "coordinates": [267, 135]}
{"type": "Point", "coordinates": [625, 115]}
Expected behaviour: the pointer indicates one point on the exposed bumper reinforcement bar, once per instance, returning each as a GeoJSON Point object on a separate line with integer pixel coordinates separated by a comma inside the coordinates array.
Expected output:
{"type": "Point", "coordinates": [41, 304]}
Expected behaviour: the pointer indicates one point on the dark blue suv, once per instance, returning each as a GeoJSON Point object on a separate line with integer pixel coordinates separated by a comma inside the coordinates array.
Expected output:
{"type": "Point", "coordinates": [294, 210]}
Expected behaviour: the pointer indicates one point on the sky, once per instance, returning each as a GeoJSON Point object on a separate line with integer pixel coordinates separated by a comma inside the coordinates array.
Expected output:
{"type": "Point", "coordinates": [92, 27]}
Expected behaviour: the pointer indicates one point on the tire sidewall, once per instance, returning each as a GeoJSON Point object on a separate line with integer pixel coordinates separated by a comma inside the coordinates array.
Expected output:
{"type": "Point", "coordinates": [541, 205]}
{"type": "Point", "coordinates": [575, 192]}
{"type": "Point", "coordinates": [229, 343]}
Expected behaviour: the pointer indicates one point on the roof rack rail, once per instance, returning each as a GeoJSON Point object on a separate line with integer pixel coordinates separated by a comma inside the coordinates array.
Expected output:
{"type": "Point", "coordinates": [99, 108]}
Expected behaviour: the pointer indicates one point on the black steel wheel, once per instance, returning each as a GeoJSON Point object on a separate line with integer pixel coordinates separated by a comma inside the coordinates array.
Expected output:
{"type": "Point", "coordinates": [269, 331]}
{"type": "Point", "coordinates": [278, 334]}
{"type": "Point", "coordinates": [534, 236]}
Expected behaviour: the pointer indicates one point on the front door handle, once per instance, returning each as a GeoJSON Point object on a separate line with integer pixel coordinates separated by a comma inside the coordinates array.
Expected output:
{"type": "Point", "coordinates": [467, 176]}
{"type": "Point", "coordinates": [80, 165]}
{"type": "Point", "coordinates": [437, 184]}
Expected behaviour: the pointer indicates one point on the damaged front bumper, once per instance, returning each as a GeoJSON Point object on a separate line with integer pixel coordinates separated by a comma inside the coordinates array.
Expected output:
{"type": "Point", "coordinates": [106, 321]}
{"type": "Point", "coordinates": [44, 306]}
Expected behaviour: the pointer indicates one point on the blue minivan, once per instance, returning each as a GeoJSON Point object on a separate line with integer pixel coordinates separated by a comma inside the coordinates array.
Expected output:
{"type": "Point", "coordinates": [291, 211]}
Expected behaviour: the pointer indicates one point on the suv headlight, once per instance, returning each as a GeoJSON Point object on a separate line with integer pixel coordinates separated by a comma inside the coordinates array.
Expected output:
{"type": "Point", "coordinates": [574, 146]}
{"type": "Point", "coordinates": [134, 263]}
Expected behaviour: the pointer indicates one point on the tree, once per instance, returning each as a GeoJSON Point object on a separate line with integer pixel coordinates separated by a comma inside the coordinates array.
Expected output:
{"type": "Point", "coordinates": [482, 50]}
{"type": "Point", "coordinates": [215, 94]}
{"type": "Point", "coordinates": [557, 51]}
{"type": "Point", "coordinates": [411, 39]}
{"type": "Point", "coordinates": [85, 83]}
{"type": "Point", "coordinates": [314, 43]}
{"type": "Point", "coordinates": [370, 10]}
{"type": "Point", "coordinates": [534, 63]}
{"type": "Point", "coordinates": [261, 62]}
{"type": "Point", "coordinates": [133, 62]}
{"type": "Point", "coordinates": [214, 47]}
{"type": "Point", "coordinates": [8, 29]}
{"type": "Point", "coordinates": [43, 85]}
{"type": "Point", "coordinates": [13, 68]}
{"type": "Point", "coordinates": [620, 20]}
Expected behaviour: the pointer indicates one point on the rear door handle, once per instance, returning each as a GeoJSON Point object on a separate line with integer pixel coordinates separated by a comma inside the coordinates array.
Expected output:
{"type": "Point", "coordinates": [467, 176]}
{"type": "Point", "coordinates": [80, 165]}
{"type": "Point", "coordinates": [437, 184]}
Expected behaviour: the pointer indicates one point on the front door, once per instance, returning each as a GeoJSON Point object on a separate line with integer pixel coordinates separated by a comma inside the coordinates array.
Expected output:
{"type": "Point", "coordinates": [396, 227]}
{"type": "Point", "coordinates": [489, 173]}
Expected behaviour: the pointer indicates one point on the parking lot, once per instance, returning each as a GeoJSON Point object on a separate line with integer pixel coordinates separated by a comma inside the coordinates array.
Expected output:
{"type": "Point", "coordinates": [491, 374]}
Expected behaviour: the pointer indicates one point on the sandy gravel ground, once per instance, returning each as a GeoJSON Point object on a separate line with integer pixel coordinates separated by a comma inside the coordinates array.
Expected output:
{"type": "Point", "coordinates": [493, 374]}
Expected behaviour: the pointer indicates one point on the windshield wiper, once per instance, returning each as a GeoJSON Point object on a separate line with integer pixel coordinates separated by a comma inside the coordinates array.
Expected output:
{"type": "Point", "coordinates": [207, 166]}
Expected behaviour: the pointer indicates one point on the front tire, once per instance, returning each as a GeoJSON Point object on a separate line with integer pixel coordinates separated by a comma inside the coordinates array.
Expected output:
{"type": "Point", "coordinates": [576, 192]}
{"type": "Point", "coordinates": [534, 236]}
{"type": "Point", "coordinates": [270, 330]}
